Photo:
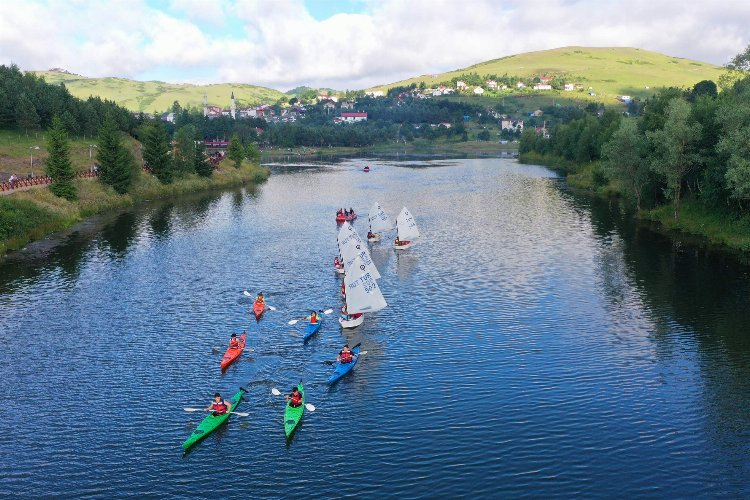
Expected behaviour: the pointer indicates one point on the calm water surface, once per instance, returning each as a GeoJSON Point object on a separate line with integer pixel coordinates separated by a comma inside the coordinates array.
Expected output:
{"type": "Point", "coordinates": [536, 344]}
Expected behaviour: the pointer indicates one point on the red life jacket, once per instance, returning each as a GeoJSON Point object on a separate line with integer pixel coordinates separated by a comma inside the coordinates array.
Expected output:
{"type": "Point", "coordinates": [296, 399]}
{"type": "Point", "coordinates": [219, 408]}
{"type": "Point", "coordinates": [346, 356]}
{"type": "Point", "coordinates": [313, 319]}
{"type": "Point", "coordinates": [234, 343]}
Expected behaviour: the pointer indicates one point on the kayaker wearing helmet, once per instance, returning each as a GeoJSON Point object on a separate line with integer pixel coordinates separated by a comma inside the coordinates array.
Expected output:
{"type": "Point", "coordinates": [345, 356]}
{"type": "Point", "coordinates": [218, 406]}
{"type": "Point", "coordinates": [295, 398]}
{"type": "Point", "coordinates": [234, 343]}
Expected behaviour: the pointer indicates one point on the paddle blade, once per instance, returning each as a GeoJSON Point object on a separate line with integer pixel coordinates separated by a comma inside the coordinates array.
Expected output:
{"type": "Point", "coordinates": [328, 311]}
{"type": "Point", "coordinates": [271, 308]}
{"type": "Point", "coordinates": [362, 352]}
{"type": "Point", "coordinates": [275, 392]}
{"type": "Point", "coordinates": [247, 293]}
{"type": "Point", "coordinates": [193, 409]}
{"type": "Point", "coordinates": [241, 413]}
{"type": "Point", "coordinates": [292, 322]}
{"type": "Point", "coordinates": [309, 407]}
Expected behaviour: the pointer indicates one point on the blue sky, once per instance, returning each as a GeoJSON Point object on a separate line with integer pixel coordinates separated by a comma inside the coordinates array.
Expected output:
{"type": "Point", "coordinates": [345, 44]}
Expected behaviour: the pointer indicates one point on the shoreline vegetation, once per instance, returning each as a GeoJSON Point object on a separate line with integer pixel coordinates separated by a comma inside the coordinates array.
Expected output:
{"type": "Point", "coordinates": [713, 226]}
{"type": "Point", "coordinates": [30, 215]}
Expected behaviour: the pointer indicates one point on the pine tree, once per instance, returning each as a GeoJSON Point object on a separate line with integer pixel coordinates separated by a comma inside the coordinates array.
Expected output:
{"type": "Point", "coordinates": [58, 164]}
{"type": "Point", "coordinates": [200, 163]}
{"type": "Point", "coordinates": [26, 115]}
{"type": "Point", "coordinates": [252, 152]}
{"type": "Point", "coordinates": [236, 151]}
{"type": "Point", "coordinates": [156, 152]}
{"type": "Point", "coordinates": [116, 162]}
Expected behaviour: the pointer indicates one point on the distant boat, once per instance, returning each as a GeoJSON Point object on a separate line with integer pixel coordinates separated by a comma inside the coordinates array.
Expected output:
{"type": "Point", "coordinates": [379, 222]}
{"type": "Point", "coordinates": [406, 229]}
{"type": "Point", "coordinates": [366, 169]}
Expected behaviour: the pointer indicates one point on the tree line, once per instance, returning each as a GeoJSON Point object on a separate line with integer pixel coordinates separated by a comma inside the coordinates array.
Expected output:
{"type": "Point", "coordinates": [685, 142]}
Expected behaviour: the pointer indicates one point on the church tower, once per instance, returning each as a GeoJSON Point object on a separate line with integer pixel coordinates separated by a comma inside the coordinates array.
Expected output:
{"type": "Point", "coordinates": [205, 105]}
{"type": "Point", "coordinates": [233, 107]}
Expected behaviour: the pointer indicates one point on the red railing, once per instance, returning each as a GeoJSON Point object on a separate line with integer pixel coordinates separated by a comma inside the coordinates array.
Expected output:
{"type": "Point", "coordinates": [25, 182]}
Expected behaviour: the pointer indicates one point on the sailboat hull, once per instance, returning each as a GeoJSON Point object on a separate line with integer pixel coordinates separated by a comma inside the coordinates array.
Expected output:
{"type": "Point", "coordinates": [352, 323]}
{"type": "Point", "coordinates": [339, 270]}
{"type": "Point", "coordinates": [376, 237]}
{"type": "Point", "coordinates": [403, 246]}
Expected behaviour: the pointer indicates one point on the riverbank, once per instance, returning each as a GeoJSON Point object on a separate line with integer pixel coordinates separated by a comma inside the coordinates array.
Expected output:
{"type": "Point", "coordinates": [418, 147]}
{"type": "Point", "coordinates": [30, 215]}
{"type": "Point", "coordinates": [716, 227]}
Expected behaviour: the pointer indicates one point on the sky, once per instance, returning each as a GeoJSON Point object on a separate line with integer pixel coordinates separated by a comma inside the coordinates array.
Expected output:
{"type": "Point", "coordinates": [345, 44]}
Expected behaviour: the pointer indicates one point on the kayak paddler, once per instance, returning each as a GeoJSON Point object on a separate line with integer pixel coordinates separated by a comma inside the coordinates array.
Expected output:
{"type": "Point", "coordinates": [260, 298]}
{"type": "Point", "coordinates": [345, 356]}
{"type": "Point", "coordinates": [313, 317]}
{"type": "Point", "coordinates": [234, 342]}
{"type": "Point", "coordinates": [218, 406]}
{"type": "Point", "coordinates": [295, 398]}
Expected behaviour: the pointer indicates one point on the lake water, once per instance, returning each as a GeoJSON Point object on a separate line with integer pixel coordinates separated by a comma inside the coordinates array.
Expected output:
{"type": "Point", "coordinates": [537, 343]}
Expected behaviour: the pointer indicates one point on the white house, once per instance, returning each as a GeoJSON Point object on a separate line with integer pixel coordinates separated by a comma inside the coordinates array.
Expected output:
{"type": "Point", "coordinates": [569, 87]}
{"type": "Point", "coordinates": [460, 85]}
{"type": "Point", "coordinates": [478, 91]}
{"type": "Point", "coordinates": [491, 84]}
{"type": "Point", "coordinates": [542, 86]}
{"type": "Point", "coordinates": [512, 125]}
{"type": "Point", "coordinates": [347, 104]}
{"type": "Point", "coordinates": [353, 117]}
{"type": "Point", "coordinates": [375, 93]}
{"type": "Point", "coordinates": [520, 85]}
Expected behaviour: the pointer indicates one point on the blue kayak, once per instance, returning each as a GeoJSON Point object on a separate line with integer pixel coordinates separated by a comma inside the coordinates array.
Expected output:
{"type": "Point", "coordinates": [344, 368]}
{"type": "Point", "coordinates": [312, 329]}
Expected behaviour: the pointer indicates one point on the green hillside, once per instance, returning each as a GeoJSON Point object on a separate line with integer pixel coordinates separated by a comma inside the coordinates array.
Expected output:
{"type": "Point", "coordinates": [610, 71]}
{"type": "Point", "coordinates": [159, 96]}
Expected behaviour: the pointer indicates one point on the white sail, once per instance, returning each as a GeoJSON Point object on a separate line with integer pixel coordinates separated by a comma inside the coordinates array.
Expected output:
{"type": "Point", "coordinates": [379, 220]}
{"type": "Point", "coordinates": [362, 292]}
{"type": "Point", "coordinates": [407, 228]}
{"type": "Point", "coordinates": [352, 247]}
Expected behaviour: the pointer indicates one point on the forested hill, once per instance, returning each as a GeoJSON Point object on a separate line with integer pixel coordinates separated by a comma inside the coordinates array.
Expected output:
{"type": "Point", "coordinates": [609, 71]}
{"type": "Point", "coordinates": [159, 96]}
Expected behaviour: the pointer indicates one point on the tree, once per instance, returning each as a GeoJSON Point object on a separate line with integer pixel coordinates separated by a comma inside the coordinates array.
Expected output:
{"type": "Point", "coordinates": [624, 158]}
{"type": "Point", "coordinates": [236, 152]}
{"type": "Point", "coordinates": [201, 165]}
{"type": "Point", "coordinates": [116, 163]}
{"type": "Point", "coordinates": [184, 151]}
{"type": "Point", "coordinates": [252, 152]}
{"type": "Point", "coordinates": [740, 62]}
{"type": "Point", "coordinates": [484, 135]}
{"type": "Point", "coordinates": [156, 154]}
{"type": "Point", "coordinates": [704, 87]}
{"type": "Point", "coordinates": [58, 164]}
{"type": "Point", "coordinates": [734, 118]}
{"type": "Point", "coordinates": [673, 148]}
{"type": "Point", "coordinates": [26, 115]}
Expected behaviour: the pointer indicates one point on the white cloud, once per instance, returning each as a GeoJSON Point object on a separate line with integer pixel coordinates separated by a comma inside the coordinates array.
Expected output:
{"type": "Point", "coordinates": [282, 45]}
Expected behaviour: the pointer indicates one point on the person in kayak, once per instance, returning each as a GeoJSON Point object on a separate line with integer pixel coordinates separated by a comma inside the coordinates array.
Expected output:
{"type": "Point", "coordinates": [218, 406]}
{"type": "Point", "coordinates": [337, 263]}
{"type": "Point", "coordinates": [313, 317]}
{"type": "Point", "coordinates": [397, 241]}
{"type": "Point", "coordinates": [234, 342]}
{"type": "Point", "coordinates": [260, 299]}
{"type": "Point", "coordinates": [345, 356]}
{"type": "Point", "coordinates": [351, 211]}
{"type": "Point", "coordinates": [295, 398]}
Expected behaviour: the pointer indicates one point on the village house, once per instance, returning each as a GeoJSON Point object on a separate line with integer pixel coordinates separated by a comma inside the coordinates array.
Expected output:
{"type": "Point", "coordinates": [569, 87]}
{"type": "Point", "coordinates": [512, 125]}
{"type": "Point", "coordinates": [542, 86]}
{"type": "Point", "coordinates": [353, 117]}
{"type": "Point", "coordinates": [478, 91]}
{"type": "Point", "coordinates": [347, 104]}
{"type": "Point", "coordinates": [520, 85]}
{"type": "Point", "coordinates": [537, 112]}
{"type": "Point", "coordinates": [167, 117]}
{"type": "Point", "coordinates": [491, 84]}
{"type": "Point", "coordinates": [375, 93]}
{"type": "Point", "coordinates": [545, 79]}
{"type": "Point", "coordinates": [460, 85]}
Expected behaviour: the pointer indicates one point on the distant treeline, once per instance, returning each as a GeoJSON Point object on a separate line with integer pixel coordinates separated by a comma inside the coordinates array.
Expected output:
{"type": "Point", "coordinates": [694, 142]}
{"type": "Point", "coordinates": [27, 102]}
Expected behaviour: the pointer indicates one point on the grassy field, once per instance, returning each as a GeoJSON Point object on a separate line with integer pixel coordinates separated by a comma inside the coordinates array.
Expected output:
{"type": "Point", "coordinates": [159, 96]}
{"type": "Point", "coordinates": [15, 149]}
{"type": "Point", "coordinates": [610, 71]}
{"type": "Point", "coordinates": [30, 215]}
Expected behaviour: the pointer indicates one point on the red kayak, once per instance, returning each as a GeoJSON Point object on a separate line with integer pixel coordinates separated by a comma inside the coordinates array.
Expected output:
{"type": "Point", "coordinates": [258, 309]}
{"type": "Point", "coordinates": [345, 218]}
{"type": "Point", "coordinates": [233, 353]}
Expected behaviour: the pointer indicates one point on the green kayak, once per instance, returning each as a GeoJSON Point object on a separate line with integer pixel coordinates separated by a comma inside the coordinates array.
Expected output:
{"type": "Point", "coordinates": [212, 422]}
{"type": "Point", "coordinates": [292, 416]}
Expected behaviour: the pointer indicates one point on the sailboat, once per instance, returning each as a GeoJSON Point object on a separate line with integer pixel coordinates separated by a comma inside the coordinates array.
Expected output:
{"type": "Point", "coordinates": [347, 234]}
{"type": "Point", "coordinates": [406, 230]}
{"type": "Point", "coordinates": [351, 247]}
{"type": "Point", "coordinates": [362, 295]}
{"type": "Point", "coordinates": [379, 222]}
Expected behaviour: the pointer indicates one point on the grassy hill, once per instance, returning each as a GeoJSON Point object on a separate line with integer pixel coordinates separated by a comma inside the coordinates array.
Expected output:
{"type": "Point", "coordinates": [159, 96]}
{"type": "Point", "coordinates": [610, 71]}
